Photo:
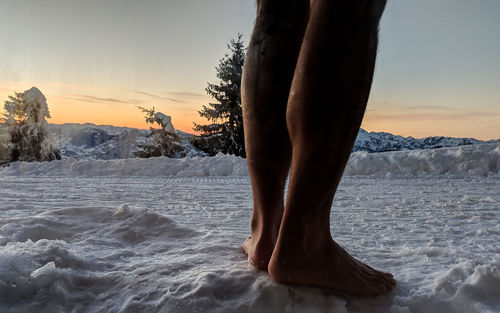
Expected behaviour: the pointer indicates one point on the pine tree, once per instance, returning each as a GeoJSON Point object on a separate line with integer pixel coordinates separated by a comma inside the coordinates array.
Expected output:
{"type": "Point", "coordinates": [165, 140]}
{"type": "Point", "coordinates": [25, 118]}
{"type": "Point", "coordinates": [225, 133]}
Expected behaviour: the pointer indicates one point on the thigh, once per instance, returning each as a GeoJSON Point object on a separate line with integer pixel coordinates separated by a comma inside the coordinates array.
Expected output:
{"type": "Point", "coordinates": [279, 15]}
{"type": "Point", "coordinates": [377, 8]}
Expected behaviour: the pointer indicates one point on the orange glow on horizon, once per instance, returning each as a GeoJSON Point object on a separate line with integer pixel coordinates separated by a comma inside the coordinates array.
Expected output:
{"type": "Point", "coordinates": [86, 104]}
{"type": "Point", "coordinates": [130, 116]}
{"type": "Point", "coordinates": [117, 106]}
{"type": "Point", "coordinates": [427, 125]}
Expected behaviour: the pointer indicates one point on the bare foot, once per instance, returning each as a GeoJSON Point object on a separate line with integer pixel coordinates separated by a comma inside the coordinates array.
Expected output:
{"type": "Point", "coordinates": [259, 252]}
{"type": "Point", "coordinates": [328, 265]}
{"type": "Point", "coordinates": [259, 247]}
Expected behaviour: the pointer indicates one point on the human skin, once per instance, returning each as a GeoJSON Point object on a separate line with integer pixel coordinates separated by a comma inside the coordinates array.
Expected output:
{"type": "Point", "coordinates": [267, 78]}
{"type": "Point", "coordinates": [306, 81]}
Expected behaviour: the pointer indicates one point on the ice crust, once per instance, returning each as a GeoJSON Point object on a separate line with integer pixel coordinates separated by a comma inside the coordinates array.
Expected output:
{"type": "Point", "coordinates": [474, 160]}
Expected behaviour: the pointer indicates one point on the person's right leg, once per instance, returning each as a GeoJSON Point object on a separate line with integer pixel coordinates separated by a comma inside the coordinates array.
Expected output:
{"type": "Point", "coordinates": [327, 100]}
{"type": "Point", "coordinates": [267, 75]}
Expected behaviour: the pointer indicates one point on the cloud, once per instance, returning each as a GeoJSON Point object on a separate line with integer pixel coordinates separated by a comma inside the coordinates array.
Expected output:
{"type": "Point", "coordinates": [159, 97]}
{"type": "Point", "coordinates": [98, 99]}
{"type": "Point", "coordinates": [185, 94]}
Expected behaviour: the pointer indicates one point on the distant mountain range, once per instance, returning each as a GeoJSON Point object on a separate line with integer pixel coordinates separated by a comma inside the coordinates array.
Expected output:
{"type": "Point", "coordinates": [381, 142]}
{"type": "Point", "coordinates": [104, 142]}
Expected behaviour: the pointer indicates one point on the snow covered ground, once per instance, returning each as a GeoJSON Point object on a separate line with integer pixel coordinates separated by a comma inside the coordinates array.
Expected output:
{"type": "Point", "coordinates": [162, 235]}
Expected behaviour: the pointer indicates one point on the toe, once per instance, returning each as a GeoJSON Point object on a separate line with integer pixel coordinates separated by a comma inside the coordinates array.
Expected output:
{"type": "Point", "coordinates": [390, 278]}
{"type": "Point", "coordinates": [380, 289]}
{"type": "Point", "coordinates": [390, 284]}
{"type": "Point", "coordinates": [246, 246]}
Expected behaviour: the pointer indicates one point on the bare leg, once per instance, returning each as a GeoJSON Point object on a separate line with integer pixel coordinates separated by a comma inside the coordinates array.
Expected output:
{"type": "Point", "coordinates": [267, 76]}
{"type": "Point", "coordinates": [327, 101]}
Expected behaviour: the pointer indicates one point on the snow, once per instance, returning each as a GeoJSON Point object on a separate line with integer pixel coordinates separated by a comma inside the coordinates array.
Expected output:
{"type": "Point", "coordinates": [30, 107]}
{"type": "Point", "coordinates": [104, 142]}
{"type": "Point", "coordinates": [164, 235]}
{"type": "Point", "coordinates": [381, 142]}
{"type": "Point", "coordinates": [36, 106]}
{"type": "Point", "coordinates": [5, 140]}
{"type": "Point", "coordinates": [473, 160]}
{"type": "Point", "coordinates": [165, 122]}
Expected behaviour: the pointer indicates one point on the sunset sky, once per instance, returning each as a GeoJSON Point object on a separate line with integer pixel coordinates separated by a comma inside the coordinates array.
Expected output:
{"type": "Point", "coordinates": [438, 69]}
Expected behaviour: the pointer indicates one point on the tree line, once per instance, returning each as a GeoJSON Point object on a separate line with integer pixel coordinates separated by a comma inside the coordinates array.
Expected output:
{"type": "Point", "coordinates": [24, 134]}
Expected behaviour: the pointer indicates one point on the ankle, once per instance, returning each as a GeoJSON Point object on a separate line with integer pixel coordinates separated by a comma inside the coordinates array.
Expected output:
{"type": "Point", "coordinates": [304, 233]}
{"type": "Point", "coordinates": [266, 221]}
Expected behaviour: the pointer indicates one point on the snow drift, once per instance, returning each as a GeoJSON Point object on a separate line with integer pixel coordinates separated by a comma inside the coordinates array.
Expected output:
{"type": "Point", "coordinates": [474, 160]}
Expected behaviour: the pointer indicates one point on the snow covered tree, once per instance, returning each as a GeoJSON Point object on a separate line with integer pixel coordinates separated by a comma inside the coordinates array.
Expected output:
{"type": "Point", "coordinates": [25, 119]}
{"type": "Point", "coordinates": [165, 142]}
{"type": "Point", "coordinates": [225, 133]}
{"type": "Point", "coordinates": [5, 153]}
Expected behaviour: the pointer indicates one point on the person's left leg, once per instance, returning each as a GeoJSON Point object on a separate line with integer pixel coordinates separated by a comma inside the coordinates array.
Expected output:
{"type": "Point", "coordinates": [267, 76]}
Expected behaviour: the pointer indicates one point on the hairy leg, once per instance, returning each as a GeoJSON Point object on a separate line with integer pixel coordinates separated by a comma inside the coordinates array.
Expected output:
{"type": "Point", "coordinates": [267, 76]}
{"type": "Point", "coordinates": [327, 101]}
